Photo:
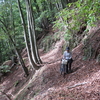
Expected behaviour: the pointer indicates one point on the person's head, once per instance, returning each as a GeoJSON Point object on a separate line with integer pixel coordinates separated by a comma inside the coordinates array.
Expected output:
{"type": "Point", "coordinates": [67, 49]}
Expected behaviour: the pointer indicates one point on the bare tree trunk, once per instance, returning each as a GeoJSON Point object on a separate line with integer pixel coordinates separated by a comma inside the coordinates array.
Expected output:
{"type": "Point", "coordinates": [31, 30]}
{"type": "Point", "coordinates": [26, 38]}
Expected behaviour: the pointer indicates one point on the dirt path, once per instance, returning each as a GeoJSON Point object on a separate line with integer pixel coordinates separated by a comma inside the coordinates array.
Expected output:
{"type": "Point", "coordinates": [82, 84]}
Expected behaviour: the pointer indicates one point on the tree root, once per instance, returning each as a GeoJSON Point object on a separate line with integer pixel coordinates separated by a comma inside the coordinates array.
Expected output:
{"type": "Point", "coordinates": [79, 84]}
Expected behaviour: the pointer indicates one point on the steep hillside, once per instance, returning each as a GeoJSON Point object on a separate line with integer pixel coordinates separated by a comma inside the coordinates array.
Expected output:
{"type": "Point", "coordinates": [47, 83]}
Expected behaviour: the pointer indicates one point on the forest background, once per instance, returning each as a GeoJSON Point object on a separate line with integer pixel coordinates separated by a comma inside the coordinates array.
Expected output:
{"type": "Point", "coordinates": [22, 23]}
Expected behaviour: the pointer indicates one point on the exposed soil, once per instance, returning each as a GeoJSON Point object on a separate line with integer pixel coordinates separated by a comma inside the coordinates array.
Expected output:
{"type": "Point", "coordinates": [47, 83]}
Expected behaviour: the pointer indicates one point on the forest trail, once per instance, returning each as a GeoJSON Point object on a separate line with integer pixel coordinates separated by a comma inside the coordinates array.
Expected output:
{"type": "Point", "coordinates": [82, 84]}
{"type": "Point", "coordinates": [49, 23]}
{"type": "Point", "coordinates": [47, 83]}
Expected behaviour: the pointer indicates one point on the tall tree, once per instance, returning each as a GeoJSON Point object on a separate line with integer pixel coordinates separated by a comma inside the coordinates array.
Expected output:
{"type": "Point", "coordinates": [34, 65]}
{"type": "Point", "coordinates": [31, 30]}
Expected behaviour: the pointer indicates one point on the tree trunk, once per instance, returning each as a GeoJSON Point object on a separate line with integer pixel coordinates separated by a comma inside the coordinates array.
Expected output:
{"type": "Point", "coordinates": [12, 20]}
{"type": "Point", "coordinates": [31, 30]}
{"type": "Point", "coordinates": [18, 54]}
{"type": "Point", "coordinates": [26, 38]}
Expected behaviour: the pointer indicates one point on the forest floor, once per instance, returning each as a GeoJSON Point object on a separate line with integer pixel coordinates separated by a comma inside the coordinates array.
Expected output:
{"type": "Point", "coordinates": [47, 83]}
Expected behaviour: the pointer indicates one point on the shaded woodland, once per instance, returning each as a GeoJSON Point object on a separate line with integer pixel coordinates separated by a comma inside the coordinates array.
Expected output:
{"type": "Point", "coordinates": [31, 29]}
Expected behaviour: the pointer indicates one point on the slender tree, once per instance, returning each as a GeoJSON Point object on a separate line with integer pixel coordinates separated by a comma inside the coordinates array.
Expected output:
{"type": "Point", "coordinates": [15, 47]}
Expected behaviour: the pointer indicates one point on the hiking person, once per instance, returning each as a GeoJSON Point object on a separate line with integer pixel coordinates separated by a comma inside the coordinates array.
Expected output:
{"type": "Point", "coordinates": [67, 56]}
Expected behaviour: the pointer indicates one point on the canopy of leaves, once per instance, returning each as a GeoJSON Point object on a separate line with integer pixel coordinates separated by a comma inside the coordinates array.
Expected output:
{"type": "Point", "coordinates": [80, 13]}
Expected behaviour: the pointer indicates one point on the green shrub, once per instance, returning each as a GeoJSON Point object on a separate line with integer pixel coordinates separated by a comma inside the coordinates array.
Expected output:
{"type": "Point", "coordinates": [48, 41]}
{"type": "Point", "coordinates": [56, 36]}
{"type": "Point", "coordinates": [67, 37]}
{"type": "Point", "coordinates": [77, 14]}
{"type": "Point", "coordinates": [5, 69]}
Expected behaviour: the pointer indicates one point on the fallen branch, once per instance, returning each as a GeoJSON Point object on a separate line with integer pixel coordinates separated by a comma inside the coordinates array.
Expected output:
{"type": "Point", "coordinates": [79, 84]}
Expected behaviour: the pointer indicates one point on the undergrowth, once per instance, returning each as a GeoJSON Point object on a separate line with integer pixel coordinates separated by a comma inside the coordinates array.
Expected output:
{"type": "Point", "coordinates": [48, 42]}
{"type": "Point", "coordinates": [75, 16]}
{"type": "Point", "coordinates": [91, 47]}
{"type": "Point", "coordinates": [4, 69]}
